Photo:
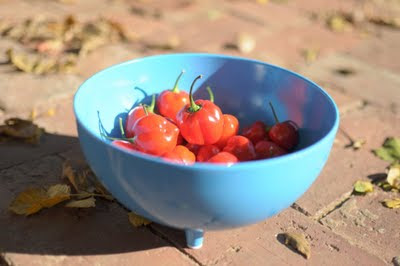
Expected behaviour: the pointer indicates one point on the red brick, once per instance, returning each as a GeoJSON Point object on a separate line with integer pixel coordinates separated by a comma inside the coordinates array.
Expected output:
{"type": "Point", "coordinates": [372, 84]}
{"type": "Point", "coordinates": [345, 166]}
{"type": "Point", "coordinates": [260, 244]}
{"type": "Point", "coordinates": [61, 236]}
{"type": "Point", "coordinates": [366, 223]}
{"type": "Point", "coordinates": [105, 57]}
{"type": "Point", "coordinates": [381, 51]}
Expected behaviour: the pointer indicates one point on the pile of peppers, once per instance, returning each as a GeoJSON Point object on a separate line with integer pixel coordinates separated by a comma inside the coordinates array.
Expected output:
{"type": "Point", "coordinates": [186, 131]}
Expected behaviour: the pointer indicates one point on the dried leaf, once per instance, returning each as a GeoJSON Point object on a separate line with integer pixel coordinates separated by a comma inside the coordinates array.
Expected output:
{"type": "Point", "coordinates": [29, 201]}
{"type": "Point", "coordinates": [245, 43]}
{"type": "Point", "coordinates": [85, 203]}
{"type": "Point", "coordinates": [356, 144]}
{"type": "Point", "coordinates": [338, 23]}
{"type": "Point", "coordinates": [392, 203]}
{"type": "Point", "coordinates": [393, 176]}
{"type": "Point", "coordinates": [213, 14]}
{"type": "Point", "coordinates": [390, 150]}
{"type": "Point", "coordinates": [363, 187]}
{"type": "Point", "coordinates": [310, 54]}
{"type": "Point", "coordinates": [33, 200]}
{"type": "Point", "coordinates": [51, 112]}
{"type": "Point", "coordinates": [386, 21]}
{"type": "Point", "coordinates": [68, 172]}
{"type": "Point", "coordinates": [299, 243]}
{"type": "Point", "coordinates": [56, 194]}
{"type": "Point", "coordinates": [262, 2]}
{"type": "Point", "coordinates": [137, 220]}
{"type": "Point", "coordinates": [20, 129]}
{"type": "Point", "coordinates": [171, 43]}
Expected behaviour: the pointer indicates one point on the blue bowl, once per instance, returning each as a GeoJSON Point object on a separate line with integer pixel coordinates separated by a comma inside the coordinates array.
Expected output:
{"type": "Point", "coordinates": [206, 196]}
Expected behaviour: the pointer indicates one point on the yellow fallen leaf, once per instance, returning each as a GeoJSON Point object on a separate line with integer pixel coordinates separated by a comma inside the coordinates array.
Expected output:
{"type": "Point", "coordinates": [262, 2]}
{"type": "Point", "coordinates": [363, 187]}
{"type": "Point", "coordinates": [51, 112]}
{"type": "Point", "coordinates": [298, 242]}
{"type": "Point", "coordinates": [33, 114]}
{"type": "Point", "coordinates": [137, 220]}
{"type": "Point", "coordinates": [393, 176]}
{"type": "Point", "coordinates": [245, 43]}
{"type": "Point", "coordinates": [392, 203]}
{"type": "Point", "coordinates": [56, 194]}
{"type": "Point", "coordinates": [33, 200]}
{"type": "Point", "coordinates": [29, 201]}
{"type": "Point", "coordinates": [85, 203]}
{"type": "Point", "coordinates": [358, 144]}
{"type": "Point", "coordinates": [310, 54]}
{"type": "Point", "coordinates": [338, 23]}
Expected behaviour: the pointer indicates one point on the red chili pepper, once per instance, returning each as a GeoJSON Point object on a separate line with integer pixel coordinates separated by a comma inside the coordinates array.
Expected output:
{"type": "Point", "coordinates": [125, 145]}
{"type": "Point", "coordinates": [169, 102]}
{"type": "Point", "coordinates": [256, 132]}
{"type": "Point", "coordinates": [180, 154]}
{"type": "Point", "coordinates": [193, 148]}
{"type": "Point", "coordinates": [200, 122]}
{"type": "Point", "coordinates": [224, 158]}
{"type": "Point", "coordinates": [231, 127]}
{"type": "Point", "coordinates": [284, 134]}
{"type": "Point", "coordinates": [206, 152]}
{"type": "Point", "coordinates": [241, 147]}
{"type": "Point", "coordinates": [268, 149]}
{"type": "Point", "coordinates": [137, 113]}
{"type": "Point", "coordinates": [155, 135]}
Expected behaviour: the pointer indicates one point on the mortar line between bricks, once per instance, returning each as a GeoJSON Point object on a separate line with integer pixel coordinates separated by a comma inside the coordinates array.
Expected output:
{"type": "Point", "coordinates": [165, 238]}
{"type": "Point", "coordinates": [298, 208]}
{"type": "Point", "coordinates": [331, 207]}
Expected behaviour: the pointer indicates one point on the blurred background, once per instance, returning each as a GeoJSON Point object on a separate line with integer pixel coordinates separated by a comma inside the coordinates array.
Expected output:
{"type": "Point", "coordinates": [59, 43]}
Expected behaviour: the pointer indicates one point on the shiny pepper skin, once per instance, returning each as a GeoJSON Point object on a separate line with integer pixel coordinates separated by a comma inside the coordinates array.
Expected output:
{"type": "Point", "coordinates": [155, 135]}
{"type": "Point", "coordinates": [135, 114]}
{"type": "Point", "coordinates": [224, 158]}
{"type": "Point", "coordinates": [285, 134]}
{"type": "Point", "coordinates": [241, 147]}
{"type": "Point", "coordinates": [170, 102]}
{"type": "Point", "coordinates": [268, 149]}
{"type": "Point", "coordinates": [126, 145]}
{"type": "Point", "coordinates": [200, 122]}
{"type": "Point", "coordinates": [206, 152]}
{"type": "Point", "coordinates": [181, 155]}
{"type": "Point", "coordinates": [231, 128]}
{"type": "Point", "coordinates": [193, 148]}
{"type": "Point", "coordinates": [256, 132]}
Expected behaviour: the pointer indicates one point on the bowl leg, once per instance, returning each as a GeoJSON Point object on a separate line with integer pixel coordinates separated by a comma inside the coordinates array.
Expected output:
{"type": "Point", "coordinates": [194, 238]}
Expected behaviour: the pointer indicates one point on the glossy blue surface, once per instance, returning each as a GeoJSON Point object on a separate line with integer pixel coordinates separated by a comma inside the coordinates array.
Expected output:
{"type": "Point", "coordinates": [206, 196]}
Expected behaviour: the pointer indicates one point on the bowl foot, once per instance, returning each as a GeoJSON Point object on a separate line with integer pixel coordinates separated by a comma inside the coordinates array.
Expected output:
{"type": "Point", "coordinates": [194, 238]}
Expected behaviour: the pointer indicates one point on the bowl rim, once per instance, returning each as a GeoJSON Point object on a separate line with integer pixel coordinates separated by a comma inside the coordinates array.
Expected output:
{"type": "Point", "coordinates": [210, 166]}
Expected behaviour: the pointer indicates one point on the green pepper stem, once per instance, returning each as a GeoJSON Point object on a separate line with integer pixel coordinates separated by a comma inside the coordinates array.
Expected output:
{"type": "Point", "coordinates": [121, 127]}
{"type": "Point", "coordinates": [152, 104]}
{"type": "Point", "coordinates": [145, 109]}
{"type": "Point", "coordinates": [273, 111]}
{"type": "Point", "coordinates": [175, 88]}
{"type": "Point", "coordinates": [131, 140]}
{"type": "Point", "coordinates": [210, 93]}
{"type": "Point", "coordinates": [193, 106]}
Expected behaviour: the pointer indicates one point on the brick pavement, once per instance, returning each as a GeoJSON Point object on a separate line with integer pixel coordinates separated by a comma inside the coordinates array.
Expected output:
{"type": "Point", "coordinates": [343, 229]}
